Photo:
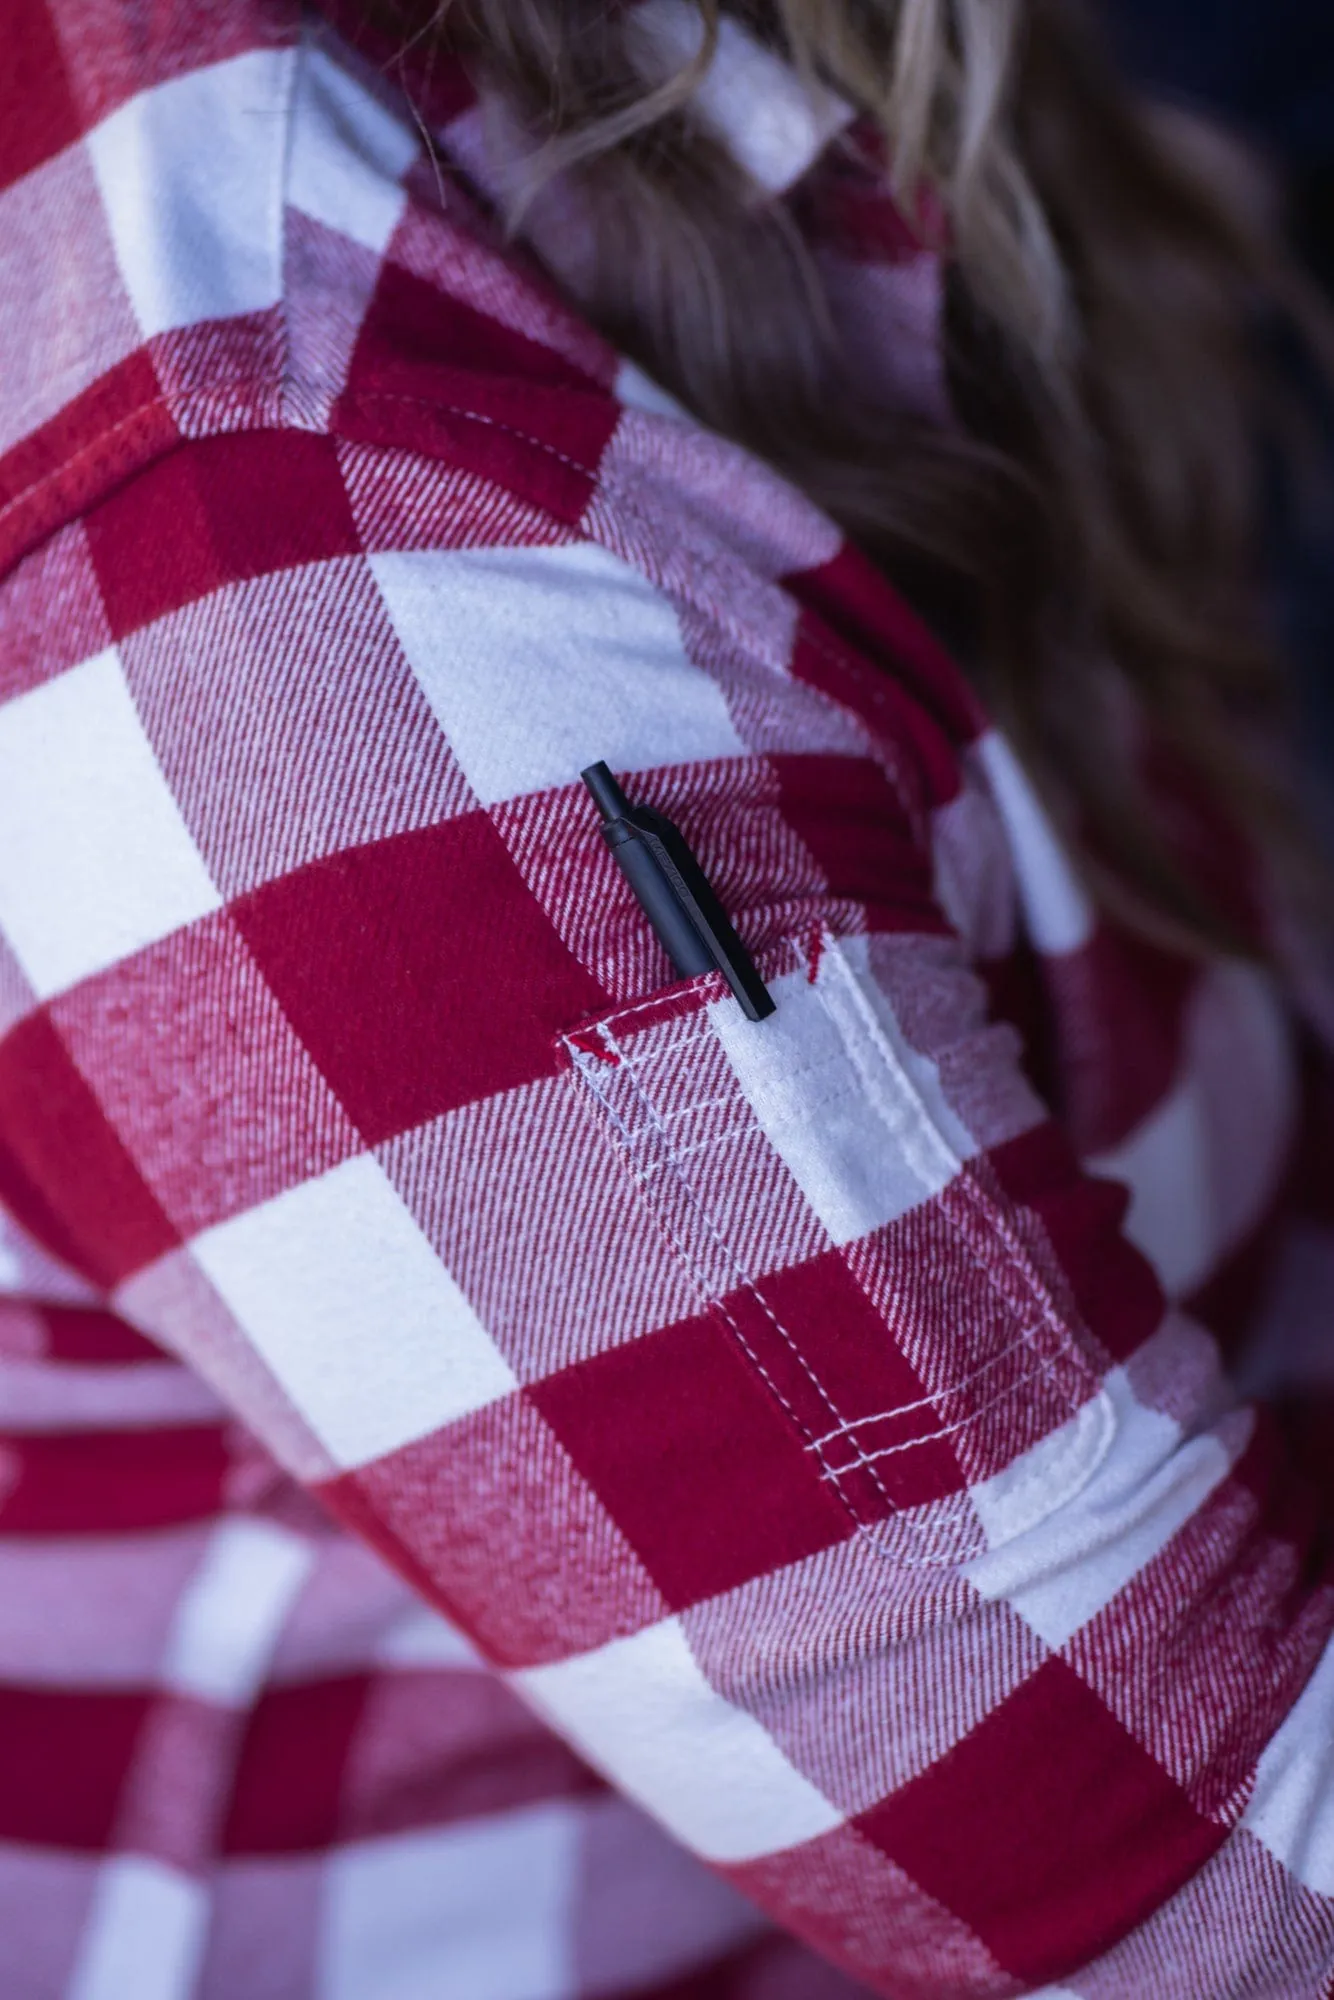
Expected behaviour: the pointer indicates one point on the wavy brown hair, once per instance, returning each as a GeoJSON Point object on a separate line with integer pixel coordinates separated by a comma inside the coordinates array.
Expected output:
{"type": "Point", "coordinates": [1088, 527]}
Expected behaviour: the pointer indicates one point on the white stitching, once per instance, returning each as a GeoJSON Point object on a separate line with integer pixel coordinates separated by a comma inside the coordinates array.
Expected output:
{"type": "Point", "coordinates": [663, 1000]}
{"type": "Point", "coordinates": [732, 1132]}
{"type": "Point", "coordinates": [1048, 1366]}
{"type": "Point", "coordinates": [994, 1227]}
{"type": "Point", "coordinates": [361, 397]}
{"type": "Point", "coordinates": [946, 1430]}
{"type": "Point", "coordinates": [604, 1029]}
{"type": "Point", "coordinates": [707, 1292]}
{"type": "Point", "coordinates": [748, 1282]}
{"type": "Point", "coordinates": [829, 1473]}
{"type": "Point", "coordinates": [927, 1402]}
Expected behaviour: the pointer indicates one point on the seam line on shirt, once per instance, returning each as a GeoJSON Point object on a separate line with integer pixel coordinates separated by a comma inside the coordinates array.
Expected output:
{"type": "Point", "coordinates": [833, 1475]}
{"type": "Point", "coordinates": [708, 1292]}
{"type": "Point", "coordinates": [946, 1430]}
{"type": "Point", "coordinates": [293, 395]}
{"type": "Point", "coordinates": [633, 1138]}
{"type": "Point", "coordinates": [928, 1401]}
{"type": "Point", "coordinates": [992, 1227]}
{"type": "Point", "coordinates": [969, 1228]}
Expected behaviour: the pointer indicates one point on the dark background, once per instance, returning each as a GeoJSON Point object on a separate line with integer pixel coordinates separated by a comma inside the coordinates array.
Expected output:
{"type": "Point", "coordinates": [1265, 68]}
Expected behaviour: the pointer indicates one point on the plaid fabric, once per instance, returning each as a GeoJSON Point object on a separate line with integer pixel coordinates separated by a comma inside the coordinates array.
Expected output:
{"type": "Point", "coordinates": [782, 1525]}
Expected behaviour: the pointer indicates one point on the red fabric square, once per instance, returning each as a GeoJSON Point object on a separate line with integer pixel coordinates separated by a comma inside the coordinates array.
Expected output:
{"type": "Point", "coordinates": [215, 512]}
{"type": "Point", "coordinates": [413, 331]}
{"type": "Point", "coordinates": [105, 434]}
{"type": "Point", "coordinates": [1120, 1011]}
{"type": "Point", "coordinates": [848, 816]}
{"type": "Point", "coordinates": [433, 376]}
{"type": "Point", "coordinates": [65, 1758]}
{"type": "Point", "coordinates": [287, 1792]}
{"type": "Point", "coordinates": [363, 951]}
{"type": "Point", "coordinates": [85, 1333]}
{"type": "Point", "coordinates": [1113, 1284]}
{"type": "Point", "coordinates": [38, 117]}
{"type": "Point", "coordinates": [862, 643]}
{"type": "Point", "coordinates": [1050, 1830]}
{"type": "Point", "coordinates": [541, 444]}
{"type": "Point", "coordinates": [447, 1747]}
{"type": "Point", "coordinates": [873, 1411]}
{"type": "Point", "coordinates": [1232, 1299]}
{"type": "Point", "coordinates": [113, 52]}
{"type": "Point", "coordinates": [209, 1089]}
{"type": "Point", "coordinates": [53, 614]}
{"type": "Point", "coordinates": [437, 81]}
{"type": "Point", "coordinates": [836, 1360]}
{"type": "Point", "coordinates": [689, 1451]}
{"type": "Point", "coordinates": [112, 1482]}
{"type": "Point", "coordinates": [63, 1171]}
{"type": "Point", "coordinates": [490, 1520]}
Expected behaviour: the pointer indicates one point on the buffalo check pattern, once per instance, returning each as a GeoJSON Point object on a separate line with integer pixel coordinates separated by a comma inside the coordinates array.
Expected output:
{"type": "Point", "coordinates": [517, 1483]}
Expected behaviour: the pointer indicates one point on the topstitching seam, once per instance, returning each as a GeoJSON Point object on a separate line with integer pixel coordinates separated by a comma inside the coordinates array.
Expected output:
{"type": "Point", "coordinates": [993, 1225]}
{"type": "Point", "coordinates": [832, 1474]}
{"type": "Point", "coordinates": [1046, 1364]}
{"type": "Point", "coordinates": [748, 1283]}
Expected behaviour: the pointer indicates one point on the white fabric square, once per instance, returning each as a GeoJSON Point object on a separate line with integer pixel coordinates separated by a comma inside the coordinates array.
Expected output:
{"type": "Point", "coordinates": [1058, 912]}
{"type": "Point", "coordinates": [480, 1911]}
{"type": "Point", "coordinates": [45, 1897]}
{"type": "Point", "coordinates": [31, 1271]}
{"type": "Point", "coordinates": [639, 391]}
{"type": "Point", "coordinates": [59, 331]}
{"type": "Point", "coordinates": [1069, 1565]}
{"type": "Point", "coordinates": [1205, 1165]}
{"type": "Point", "coordinates": [349, 153]}
{"type": "Point", "coordinates": [770, 119]}
{"type": "Point", "coordinates": [1291, 1810]}
{"type": "Point", "coordinates": [642, 1711]}
{"type": "Point", "coordinates": [11, 1271]}
{"type": "Point", "coordinates": [349, 1305]}
{"type": "Point", "coordinates": [1043, 1478]}
{"type": "Point", "coordinates": [144, 1935]}
{"type": "Point", "coordinates": [91, 1611]}
{"type": "Point", "coordinates": [191, 179]}
{"type": "Point", "coordinates": [1165, 1164]}
{"type": "Point", "coordinates": [650, 1911]}
{"type": "Point", "coordinates": [539, 661]}
{"type": "Point", "coordinates": [421, 1640]}
{"type": "Point", "coordinates": [233, 1609]}
{"type": "Point", "coordinates": [1241, 1025]}
{"type": "Point", "coordinates": [95, 859]}
{"type": "Point", "coordinates": [857, 1116]}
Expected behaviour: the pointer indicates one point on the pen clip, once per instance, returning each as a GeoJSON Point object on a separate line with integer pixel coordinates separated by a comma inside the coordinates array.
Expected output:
{"type": "Point", "coordinates": [689, 886]}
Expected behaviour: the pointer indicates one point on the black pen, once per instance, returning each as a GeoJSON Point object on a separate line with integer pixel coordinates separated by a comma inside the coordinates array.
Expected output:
{"type": "Point", "coordinates": [674, 893]}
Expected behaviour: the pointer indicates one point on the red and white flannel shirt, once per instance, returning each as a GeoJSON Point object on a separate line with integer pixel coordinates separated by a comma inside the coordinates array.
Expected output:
{"type": "Point", "coordinates": [778, 1522]}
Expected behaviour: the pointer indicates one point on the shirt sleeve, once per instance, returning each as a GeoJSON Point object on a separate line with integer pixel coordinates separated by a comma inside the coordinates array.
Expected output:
{"type": "Point", "coordinates": [777, 1405]}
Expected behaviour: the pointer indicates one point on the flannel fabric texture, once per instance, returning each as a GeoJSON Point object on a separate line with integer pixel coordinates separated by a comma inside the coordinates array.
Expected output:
{"type": "Point", "coordinates": [517, 1483]}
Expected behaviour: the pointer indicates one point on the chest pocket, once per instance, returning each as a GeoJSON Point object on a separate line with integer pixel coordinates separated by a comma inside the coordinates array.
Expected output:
{"type": "Point", "coordinates": [843, 1234]}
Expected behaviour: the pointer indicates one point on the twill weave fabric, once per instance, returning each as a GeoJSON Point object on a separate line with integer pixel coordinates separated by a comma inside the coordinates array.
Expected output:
{"type": "Point", "coordinates": [517, 1483]}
